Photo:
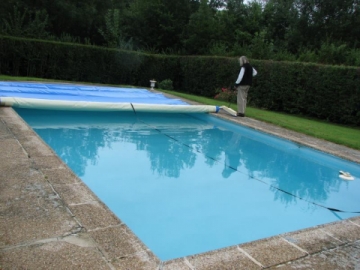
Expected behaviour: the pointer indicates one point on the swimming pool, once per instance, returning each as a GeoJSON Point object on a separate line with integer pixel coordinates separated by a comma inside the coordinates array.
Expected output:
{"type": "Point", "coordinates": [190, 183]}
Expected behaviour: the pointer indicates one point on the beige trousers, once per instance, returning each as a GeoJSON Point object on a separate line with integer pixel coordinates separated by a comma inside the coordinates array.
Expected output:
{"type": "Point", "coordinates": [242, 92]}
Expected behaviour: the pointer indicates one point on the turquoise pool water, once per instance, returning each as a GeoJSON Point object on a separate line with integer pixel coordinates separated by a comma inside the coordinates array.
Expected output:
{"type": "Point", "coordinates": [191, 183]}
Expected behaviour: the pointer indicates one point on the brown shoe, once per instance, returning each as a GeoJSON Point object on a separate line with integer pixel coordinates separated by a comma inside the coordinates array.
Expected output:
{"type": "Point", "coordinates": [241, 114]}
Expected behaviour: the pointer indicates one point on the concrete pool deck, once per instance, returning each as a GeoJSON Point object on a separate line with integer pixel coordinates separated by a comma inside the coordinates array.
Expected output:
{"type": "Point", "coordinates": [51, 220]}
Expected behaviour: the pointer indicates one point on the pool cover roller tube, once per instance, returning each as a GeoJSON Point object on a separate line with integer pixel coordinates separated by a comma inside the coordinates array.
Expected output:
{"type": "Point", "coordinates": [32, 103]}
{"type": "Point", "coordinates": [92, 98]}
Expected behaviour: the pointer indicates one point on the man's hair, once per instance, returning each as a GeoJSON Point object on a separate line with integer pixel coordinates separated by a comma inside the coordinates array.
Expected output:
{"type": "Point", "coordinates": [243, 60]}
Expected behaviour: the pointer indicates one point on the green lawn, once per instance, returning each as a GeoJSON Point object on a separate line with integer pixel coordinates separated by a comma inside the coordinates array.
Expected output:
{"type": "Point", "coordinates": [11, 78]}
{"type": "Point", "coordinates": [344, 135]}
{"type": "Point", "coordinates": [348, 136]}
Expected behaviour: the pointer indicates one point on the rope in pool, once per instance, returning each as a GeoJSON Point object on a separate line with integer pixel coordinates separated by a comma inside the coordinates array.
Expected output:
{"type": "Point", "coordinates": [235, 169]}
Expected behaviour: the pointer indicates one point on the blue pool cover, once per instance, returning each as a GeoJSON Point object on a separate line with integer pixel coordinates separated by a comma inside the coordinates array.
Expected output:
{"type": "Point", "coordinates": [89, 97]}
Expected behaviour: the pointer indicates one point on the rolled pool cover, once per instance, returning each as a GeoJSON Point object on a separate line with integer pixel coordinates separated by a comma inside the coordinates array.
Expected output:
{"type": "Point", "coordinates": [32, 103]}
{"type": "Point", "coordinates": [51, 96]}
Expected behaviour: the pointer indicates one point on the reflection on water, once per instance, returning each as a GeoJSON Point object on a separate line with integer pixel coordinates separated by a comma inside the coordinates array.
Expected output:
{"type": "Point", "coordinates": [172, 143]}
{"type": "Point", "coordinates": [182, 177]}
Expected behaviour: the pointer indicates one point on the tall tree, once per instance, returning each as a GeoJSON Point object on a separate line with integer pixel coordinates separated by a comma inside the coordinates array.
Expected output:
{"type": "Point", "coordinates": [235, 22]}
{"type": "Point", "coordinates": [201, 30]}
{"type": "Point", "coordinates": [157, 24]}
{"type": "Point", "coordinates": [24, 23]}
{"type": "Point", "coordinates": [78, 18]}
{"type": "Point", "coordinates": [279, 19]}
{"type": "Point", "coordinates": [333, 21]}
{"type": "Point", "coordinates": [112, 30]}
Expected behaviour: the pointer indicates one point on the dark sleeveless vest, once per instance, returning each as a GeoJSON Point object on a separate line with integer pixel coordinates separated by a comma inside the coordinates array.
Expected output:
{"type": "Point", "coordinates": [248, 74]}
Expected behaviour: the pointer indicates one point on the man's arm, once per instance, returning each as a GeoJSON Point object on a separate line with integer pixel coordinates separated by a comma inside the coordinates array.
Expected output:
{"type": "Point", "coordinates": [241, 75]}
{"type": "Point", "coordinates": [254, 72]}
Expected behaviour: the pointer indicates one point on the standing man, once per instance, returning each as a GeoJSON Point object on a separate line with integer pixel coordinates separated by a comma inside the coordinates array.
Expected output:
{"type": "Point", "coordinates": [243, 83]}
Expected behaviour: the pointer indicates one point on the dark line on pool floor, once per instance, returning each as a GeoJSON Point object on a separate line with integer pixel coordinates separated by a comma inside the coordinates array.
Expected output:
{"type": "Point", "coordinates": [235, 169]}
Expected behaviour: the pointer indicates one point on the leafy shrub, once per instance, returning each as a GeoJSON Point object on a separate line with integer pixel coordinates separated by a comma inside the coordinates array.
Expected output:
{"type": "Point", "coordinates": [218, 48]}
{"type": "Point", "coordinates": [306, 55]}
{"type": "Point", "coordinates": [166, 84]}
{"type": "Point", "coordinates": [353, 58]}
{"type": "Point", "coordinates": [332, 54]}
{"type": "Point", "coordinates": [284, 55]}
{"type": "Point", "coordinates": [262, 48]}
{"type": "Point", "coordinates": [226, 94]}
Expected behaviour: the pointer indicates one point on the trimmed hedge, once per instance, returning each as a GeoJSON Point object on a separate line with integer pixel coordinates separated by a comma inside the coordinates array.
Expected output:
{"type": "Point", "coordinates": [65, 61]}
{"type": "Point", "coordinates": [324, 92]}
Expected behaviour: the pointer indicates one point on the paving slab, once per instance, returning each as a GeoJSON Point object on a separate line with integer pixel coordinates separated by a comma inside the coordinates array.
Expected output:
{"type": "Point", "coordinates": [53, 255]}
{"type": "Point", "coordinates": [60, 174]}
{"type": "Point", "coordinates": [94, 215]}
{"type": "Point", "coordinates": [33, 212]}
{"type": "Point", "coordinates": [272, 251]}
{"type": "Point", "coordinates": [343, 257]}
{"type": "Point", "coordinates": [313, 240]}
{"type": "Point", "coordinates": [121, 247]}
{"type": "Point", "coordinates": [227, 258]}
{"type": "Point", "coordinates": [73, 194]}
{"type": "Point", "coordinates": [16, 125]}
{"type": "Point", "coordinates": [35, 147]}
{"type": "Point", "coordinates": [5, 132]}
{"type": "Point", "coordinates": [11, 148]}
{"type": "Point", "coordinates": [344, 230]}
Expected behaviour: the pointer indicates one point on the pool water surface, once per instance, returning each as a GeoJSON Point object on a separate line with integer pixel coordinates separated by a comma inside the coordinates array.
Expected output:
{"type": "Point", "coordinates": [191, 183]}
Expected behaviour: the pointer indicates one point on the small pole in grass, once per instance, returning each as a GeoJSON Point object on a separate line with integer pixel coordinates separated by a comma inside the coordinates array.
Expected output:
{"type": "Point", "coordinates": [232, 92]}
